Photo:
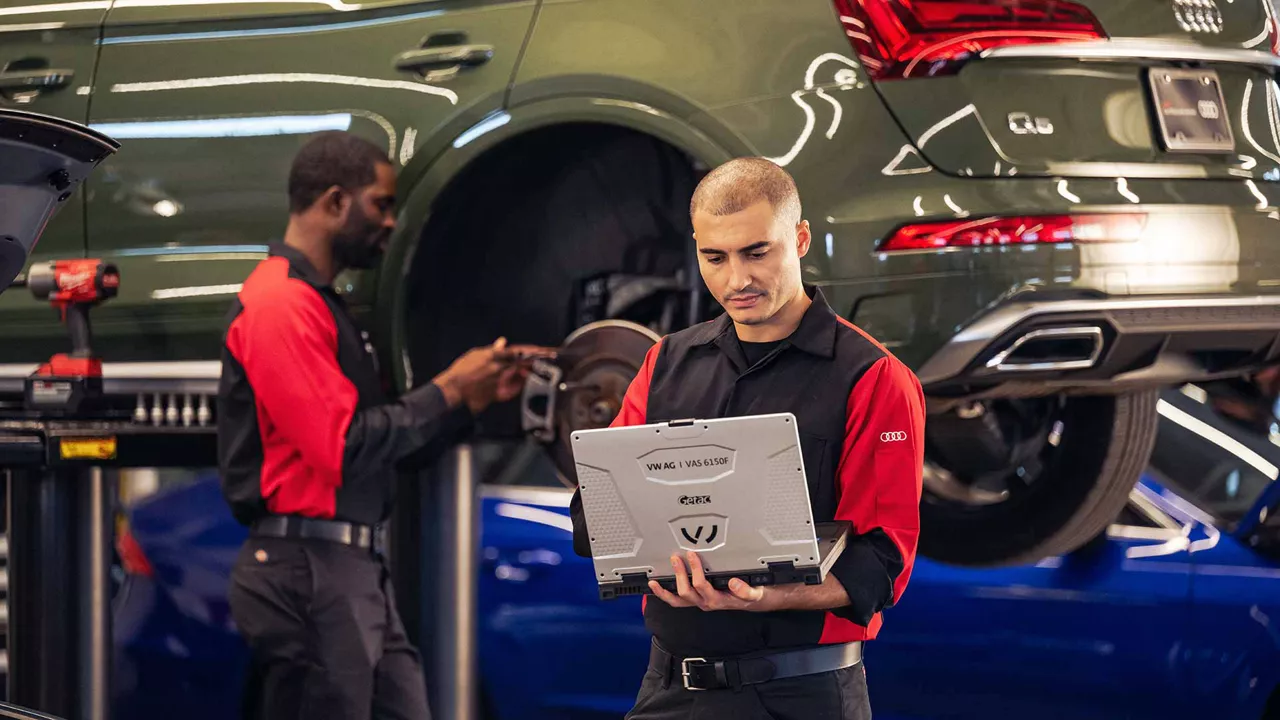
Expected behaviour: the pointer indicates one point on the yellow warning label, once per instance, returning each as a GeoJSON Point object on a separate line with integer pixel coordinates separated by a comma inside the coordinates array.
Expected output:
{"type": "Point", "coordinates": [99, 448]}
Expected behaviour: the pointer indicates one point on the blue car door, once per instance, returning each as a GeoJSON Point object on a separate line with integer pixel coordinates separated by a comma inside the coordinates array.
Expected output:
{"type": "Point", "coordinates": [1223, 461]}
{"type": "Point", "coordinates": [549, 647]}
{"type": "Point", "coordinates": [1232, 654]}
{"type": "Point", "coordinates": [1085, 635]}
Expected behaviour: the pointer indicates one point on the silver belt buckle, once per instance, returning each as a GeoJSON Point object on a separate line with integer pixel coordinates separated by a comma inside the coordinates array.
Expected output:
{"type": "Point", "coordinates": [684, 672]}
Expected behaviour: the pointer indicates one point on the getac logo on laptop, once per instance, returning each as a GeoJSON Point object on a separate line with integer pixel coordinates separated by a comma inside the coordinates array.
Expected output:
{"type": "Point", "coordinates": [695, 499]}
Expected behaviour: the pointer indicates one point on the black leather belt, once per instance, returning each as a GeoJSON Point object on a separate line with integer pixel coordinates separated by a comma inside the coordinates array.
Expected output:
{"type": "Point", "coordinates": [697, 673]}
{"type": "Point", "coordinates": [368, 537]}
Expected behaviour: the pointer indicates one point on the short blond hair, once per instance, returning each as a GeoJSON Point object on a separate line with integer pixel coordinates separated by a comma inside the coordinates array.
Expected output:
{"type": "Point", "coordinates": [741, 183]}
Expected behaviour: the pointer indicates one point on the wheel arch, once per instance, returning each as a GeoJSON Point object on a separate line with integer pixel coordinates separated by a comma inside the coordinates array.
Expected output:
{"type": "Point", "coordinates": [708, 145]}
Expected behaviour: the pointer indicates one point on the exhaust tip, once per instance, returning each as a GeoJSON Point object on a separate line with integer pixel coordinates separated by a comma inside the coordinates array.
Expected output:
{"type": "Point", "coordinates": [1062, 348]}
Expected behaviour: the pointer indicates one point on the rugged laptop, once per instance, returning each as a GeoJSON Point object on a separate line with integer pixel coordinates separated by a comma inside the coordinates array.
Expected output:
{"type": "Point", "coordinates": [732, 489]}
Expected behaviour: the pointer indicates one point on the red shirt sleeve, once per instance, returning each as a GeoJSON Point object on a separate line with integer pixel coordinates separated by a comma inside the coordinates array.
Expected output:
{"type": "Point", "coordinates": [287, 342]}
{"type": "Point", "coordinates": [879, 485]}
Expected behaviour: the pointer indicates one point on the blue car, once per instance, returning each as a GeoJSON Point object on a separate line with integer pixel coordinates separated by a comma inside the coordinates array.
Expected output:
{"type": "Point", "coordinates": [1173, 612]}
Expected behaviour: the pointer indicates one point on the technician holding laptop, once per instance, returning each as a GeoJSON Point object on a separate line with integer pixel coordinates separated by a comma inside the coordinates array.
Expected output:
{"type": "Point", "coordinates": [779, 348]}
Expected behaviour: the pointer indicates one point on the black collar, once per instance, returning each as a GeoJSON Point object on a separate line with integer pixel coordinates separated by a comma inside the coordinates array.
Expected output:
{"type": "Point", "coordinates": [815, 335]}
{"type": "Point", "coordinates": [299, 263]}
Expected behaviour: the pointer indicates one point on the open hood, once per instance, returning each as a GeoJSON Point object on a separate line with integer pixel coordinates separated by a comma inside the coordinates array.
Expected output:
{"type": "Point", "coordinates": [43, 160]}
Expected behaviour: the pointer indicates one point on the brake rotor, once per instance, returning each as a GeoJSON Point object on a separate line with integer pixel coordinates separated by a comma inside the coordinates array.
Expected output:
{"type": "Point", "coordinates": [583, 387]}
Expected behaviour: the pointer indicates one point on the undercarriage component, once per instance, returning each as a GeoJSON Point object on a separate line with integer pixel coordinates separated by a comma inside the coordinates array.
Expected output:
{"type": "Point", "coordinates": [663, 302]}
{"type": "Point", "coordinates": [583, 387]}
{"type": "Point", "coordinates": [1103, 346]}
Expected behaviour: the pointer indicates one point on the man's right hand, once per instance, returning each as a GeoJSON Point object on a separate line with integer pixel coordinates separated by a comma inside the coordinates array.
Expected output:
{"type": "Point", "coordinates": [485, 374]}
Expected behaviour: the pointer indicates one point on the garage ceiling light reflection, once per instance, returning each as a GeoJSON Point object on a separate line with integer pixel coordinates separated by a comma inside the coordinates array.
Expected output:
{"type": "Point", "coordinates": [225, 127]}
{"type": "Point", "coordinates": [55, 7]}
{"type": "Point", "coordinates": [195, 291]}
{"type": "Point", "coordinates": [338, 5]}
{"type": "Point", "coordinates": [269, 78]}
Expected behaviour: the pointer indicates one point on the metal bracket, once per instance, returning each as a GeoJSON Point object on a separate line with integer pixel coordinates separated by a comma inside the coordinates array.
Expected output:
{"type": "Point", "coordinates": [538, 400]}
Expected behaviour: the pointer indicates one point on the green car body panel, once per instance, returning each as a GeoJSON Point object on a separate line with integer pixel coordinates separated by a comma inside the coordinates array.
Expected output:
{"type": "Point", "coordinates": [210, 101]}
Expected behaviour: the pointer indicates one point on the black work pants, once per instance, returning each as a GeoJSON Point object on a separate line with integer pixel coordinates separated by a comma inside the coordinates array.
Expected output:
{"type": "Point", "coordinates": [324, 635]}
{"type": "Point", "coordinates": [836, 695]}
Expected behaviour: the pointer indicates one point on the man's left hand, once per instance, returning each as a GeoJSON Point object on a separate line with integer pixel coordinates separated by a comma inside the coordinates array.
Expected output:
{"type": "Point", "coordinates": [694, 590]}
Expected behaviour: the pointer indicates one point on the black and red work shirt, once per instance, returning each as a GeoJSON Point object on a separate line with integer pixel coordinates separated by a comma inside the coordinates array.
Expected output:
{"type": "Point", "coordinates": [861, 424]}
{"type": "Point", "coordinates": [304, 424]}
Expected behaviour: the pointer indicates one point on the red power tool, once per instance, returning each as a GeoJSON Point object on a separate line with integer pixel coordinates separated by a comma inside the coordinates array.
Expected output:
{"type": "Point", "coordinates": [70, 382]}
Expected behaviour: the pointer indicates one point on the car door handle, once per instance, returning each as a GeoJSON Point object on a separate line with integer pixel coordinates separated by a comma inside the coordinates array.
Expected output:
{"type": "Point", "coordinates": [35, 79]}
{"type": "Point", "coordinates": [442, 63]}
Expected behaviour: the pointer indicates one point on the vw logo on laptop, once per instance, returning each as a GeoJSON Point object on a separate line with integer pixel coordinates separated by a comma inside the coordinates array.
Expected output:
{"type": "Point", "coordinates": [696, 537]}
{"type": "Point", "coordinates": [1202, 16]}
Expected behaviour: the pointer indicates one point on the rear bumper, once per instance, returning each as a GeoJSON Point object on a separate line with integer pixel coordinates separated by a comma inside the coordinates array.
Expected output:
{"type": "Point", "coordinates": [1116, 344]}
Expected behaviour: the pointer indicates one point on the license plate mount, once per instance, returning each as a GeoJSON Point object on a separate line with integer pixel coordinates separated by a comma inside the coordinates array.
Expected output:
{"type": "Point", "coordinates": [1191, 110]}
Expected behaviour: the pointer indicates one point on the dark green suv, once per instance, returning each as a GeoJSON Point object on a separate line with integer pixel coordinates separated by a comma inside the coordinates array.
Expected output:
{"type": "Point", "coordinates": [1047, 208]}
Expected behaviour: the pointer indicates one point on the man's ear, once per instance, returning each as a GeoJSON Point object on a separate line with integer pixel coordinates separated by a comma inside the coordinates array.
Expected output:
{"type": "Point", "coordinates": [335, 202]}
{"type": "Point", "coordinates": [803, 238]}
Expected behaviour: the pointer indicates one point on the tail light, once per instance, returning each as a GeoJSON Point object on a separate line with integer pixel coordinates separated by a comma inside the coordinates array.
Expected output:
{"type": "Point", "coordinates": [1273, 28]}
{"type": "Point", "coordinates": [1017, 231]}
{"type": "Point", "coordinates": [914, 38]}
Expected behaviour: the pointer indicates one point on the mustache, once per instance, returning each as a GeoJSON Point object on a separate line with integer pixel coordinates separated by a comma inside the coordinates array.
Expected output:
{"type": "Point", "coordinates": [747, 292]}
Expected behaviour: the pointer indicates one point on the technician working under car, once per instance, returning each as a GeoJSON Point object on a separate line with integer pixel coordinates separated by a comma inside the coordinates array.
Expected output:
{"type": "Point", "coordinates": [779, 348]}
{"type": "Point", "coordinates": [309, 446]}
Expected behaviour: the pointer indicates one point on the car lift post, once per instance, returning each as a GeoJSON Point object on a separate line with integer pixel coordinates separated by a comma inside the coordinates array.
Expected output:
{"type": "Point", "coordinates": [437, 568]}
{"type": "Point", "coordinates": [59, 588]}
{"type": "Point", "coordinates": [456, 653]}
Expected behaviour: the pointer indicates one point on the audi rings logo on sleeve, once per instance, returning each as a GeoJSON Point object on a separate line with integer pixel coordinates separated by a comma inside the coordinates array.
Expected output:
{"type": "Point", "coordinates": [895, 436]}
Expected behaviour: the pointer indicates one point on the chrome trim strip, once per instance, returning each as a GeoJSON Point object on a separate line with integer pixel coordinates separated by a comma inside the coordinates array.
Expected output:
{"type": "Point", "coordinates": [1136, 49]}
{"type": "Point", "coordinates": [951, 359]}
{"type": "Point", "coordinates": [1089, 332]}
{"type": "Point", "coordinates": [197, 377]}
